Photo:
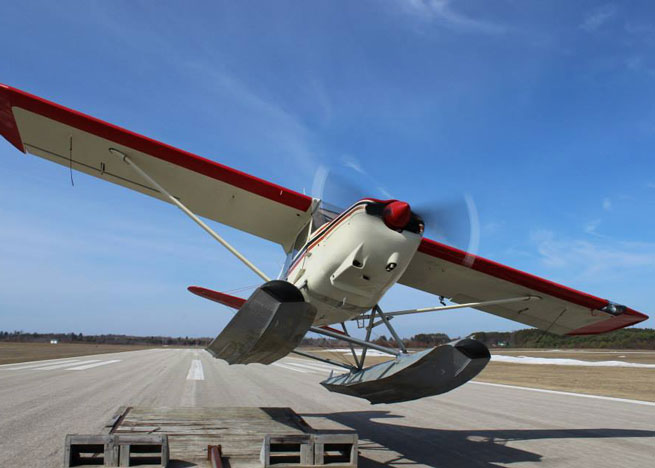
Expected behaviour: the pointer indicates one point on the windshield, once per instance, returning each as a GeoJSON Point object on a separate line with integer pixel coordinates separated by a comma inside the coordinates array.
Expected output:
{"type": "Point", "coordinates": [324, 214]}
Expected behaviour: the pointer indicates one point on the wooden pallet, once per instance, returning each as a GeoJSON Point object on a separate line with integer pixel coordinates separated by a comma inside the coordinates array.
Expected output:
{"type": "Point", "coordinates": [240, 431]}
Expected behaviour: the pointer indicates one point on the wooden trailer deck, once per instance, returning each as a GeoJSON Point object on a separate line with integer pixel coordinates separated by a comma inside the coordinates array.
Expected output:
{"type": "Point", "coordinates": [248, 437]}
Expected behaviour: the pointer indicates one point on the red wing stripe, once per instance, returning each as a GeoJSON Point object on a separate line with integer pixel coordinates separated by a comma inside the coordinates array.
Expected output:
{"type": "Point", "coordinates": [11, 97]}
{"type": "Point", "coordinates": [453, 255]}
{"type": "Point", "coordinates": [221, 298]}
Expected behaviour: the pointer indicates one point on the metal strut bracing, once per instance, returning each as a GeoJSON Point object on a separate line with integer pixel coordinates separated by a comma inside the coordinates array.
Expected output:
{"type": "Point", "coordinates": [325, 360]}
{"type": "Point", "coordinates": [352, 348]}
{"type": "Point", "coordinates": [369, 330]}
{"type": "Point", "coordinates": [365, 343]}
{"type": "Point", "coordinates": [127, 160]}
{"type": "Point", "coordinates": [353, 340]}
{"type": "Point", "coordinates": [396, 313]}
{"type": "Point", "coordinates": [385, 319]}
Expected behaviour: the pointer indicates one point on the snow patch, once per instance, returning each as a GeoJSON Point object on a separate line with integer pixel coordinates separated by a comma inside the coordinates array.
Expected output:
{"type": "Point", "coordinates": [370, 352]}
{"type": "Point", "coordinates": [565, 362]}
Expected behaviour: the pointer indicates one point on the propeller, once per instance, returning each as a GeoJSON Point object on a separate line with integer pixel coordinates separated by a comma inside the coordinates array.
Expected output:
{"type": "Point", "coordinates": [334, 187]}
{"type": "Point", "coordinates": [454, 222]}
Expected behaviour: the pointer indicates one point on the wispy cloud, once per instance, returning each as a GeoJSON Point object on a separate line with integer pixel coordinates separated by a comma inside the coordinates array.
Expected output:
{"type": "Point", "coordinates": [635, 63]}
{"type": "Point", "coordinates": [591, 226]}
{"type": "Point", "coordinates": [368, 180]}
{"type": "Point", "coordinates": [442, 12]}
{"type": "Point", "coordinates": [352, 163]}
{"type": "Point", "coordinates": [607, 204]}
{"type": "Point", "coordinates": [644, 32]}
{"type": "Point", "coordinates": [272, 129]}
{"type": "Point", "coordinates": [598, 17]}
{"type": "Point", "coordinates": [589, 259]}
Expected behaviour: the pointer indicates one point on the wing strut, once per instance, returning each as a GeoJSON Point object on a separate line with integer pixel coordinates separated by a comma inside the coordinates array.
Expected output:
{"type": "Point", "coordinates": [454, 306]}
{"type": "Point", "coordinates": [188, 212]}
{"type": "Point", "coordinates": [353, 340]}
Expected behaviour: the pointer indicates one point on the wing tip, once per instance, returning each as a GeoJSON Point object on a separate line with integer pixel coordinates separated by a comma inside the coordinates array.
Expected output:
{"type": "Point", "coordinates": [13, 97]}
{"type": "Point", "coordinates": [626, 318]}
{"type": "Point", "coordinates": [8, 127]}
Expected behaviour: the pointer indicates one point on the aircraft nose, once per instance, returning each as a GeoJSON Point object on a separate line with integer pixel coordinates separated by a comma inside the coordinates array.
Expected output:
{"type": "Point", "coordinates": [397, 214]}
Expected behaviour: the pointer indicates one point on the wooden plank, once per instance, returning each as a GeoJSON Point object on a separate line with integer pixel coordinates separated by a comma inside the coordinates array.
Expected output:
{"type": "Point", "coordinates": [239, 430]}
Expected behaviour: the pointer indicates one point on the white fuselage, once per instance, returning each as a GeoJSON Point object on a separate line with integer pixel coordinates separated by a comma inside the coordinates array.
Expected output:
{"type": "Point", "coordinates": [348, 264]}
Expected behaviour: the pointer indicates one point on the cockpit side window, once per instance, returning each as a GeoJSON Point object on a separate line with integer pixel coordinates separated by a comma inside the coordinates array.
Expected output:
{"type": "Point", "coordinates": [300, 240]}
{"type": "Point", "coordinates": [324, 214]}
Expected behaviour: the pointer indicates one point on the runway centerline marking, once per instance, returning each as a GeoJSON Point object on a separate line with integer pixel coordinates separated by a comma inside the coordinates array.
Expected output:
{"type": "Point", "coordinates": [557, 392]}
{"type": "Point", "coordinates": [195, 371]}
{"type": "Point", "coordinates": [96, 364]}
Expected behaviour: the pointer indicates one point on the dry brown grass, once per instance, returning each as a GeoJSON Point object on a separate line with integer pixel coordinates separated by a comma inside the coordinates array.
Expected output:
{"type": "Point", "coordinates": [619, 382]}
{"type": "Point", "coordinates": [21, 352]}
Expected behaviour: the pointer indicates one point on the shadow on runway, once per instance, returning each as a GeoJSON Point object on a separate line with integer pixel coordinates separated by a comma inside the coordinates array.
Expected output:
{"type": "Point", "coordinates": [454, 449]}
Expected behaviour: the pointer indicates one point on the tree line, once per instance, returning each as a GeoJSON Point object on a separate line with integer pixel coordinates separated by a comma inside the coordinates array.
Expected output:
{"type": "Point", "coordinates": [627, 338]}
{"type": "Point", "coordinates": [630, 338]}
{"type": "Point", "coordinates": [20, 336]}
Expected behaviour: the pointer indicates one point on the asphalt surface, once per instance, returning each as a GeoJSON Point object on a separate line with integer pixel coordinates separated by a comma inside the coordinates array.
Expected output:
{"type": "Point", "coordinates": [476, 425]}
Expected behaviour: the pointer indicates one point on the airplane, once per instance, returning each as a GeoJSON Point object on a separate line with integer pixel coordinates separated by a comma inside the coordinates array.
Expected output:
{"type": "Point", "coordinates": [338, 267]}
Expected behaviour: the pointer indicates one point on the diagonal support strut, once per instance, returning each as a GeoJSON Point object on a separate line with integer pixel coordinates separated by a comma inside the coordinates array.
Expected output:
{"type": "Point", "coordinates": [126, 159]}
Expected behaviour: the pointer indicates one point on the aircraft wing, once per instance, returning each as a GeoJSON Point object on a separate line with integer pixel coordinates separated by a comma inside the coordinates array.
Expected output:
{"type": "Point", "coordinates": [442, 270]}
{"type": "Point", "coordinates": [206, 187]}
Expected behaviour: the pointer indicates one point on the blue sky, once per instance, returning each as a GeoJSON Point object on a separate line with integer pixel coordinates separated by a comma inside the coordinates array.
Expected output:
{"type": "Point", "coordinates": [542, 111]}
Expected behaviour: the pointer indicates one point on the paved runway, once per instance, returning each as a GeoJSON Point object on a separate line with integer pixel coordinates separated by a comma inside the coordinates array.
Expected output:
{"type": "Point", "coordinates": [475, 426]}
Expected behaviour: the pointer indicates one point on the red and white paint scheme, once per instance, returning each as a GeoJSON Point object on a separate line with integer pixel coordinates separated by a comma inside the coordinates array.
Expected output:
{"type": "Point", "coordinates": [343, 265]}
{"type": "Point", "coordinates": [346, 265]}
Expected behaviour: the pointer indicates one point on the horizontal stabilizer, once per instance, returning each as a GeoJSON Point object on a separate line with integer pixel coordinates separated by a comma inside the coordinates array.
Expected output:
{"type": "Point", "coordinates": [221, 298]}
{"type": "Point", "coordinates": [412, 376]}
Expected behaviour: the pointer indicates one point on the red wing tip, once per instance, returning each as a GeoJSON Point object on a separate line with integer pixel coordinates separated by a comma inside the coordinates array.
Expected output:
{"type": "Point", "coordinates": [197, 290]}
{"type": "Point", "coordinates": [628, 318]}
{"type": "Point", "coordinates": [8, 127]}
{"type": "Point", "coordinates": [13, 97]}
{"type": "Point", "coordinates": [634, 313]}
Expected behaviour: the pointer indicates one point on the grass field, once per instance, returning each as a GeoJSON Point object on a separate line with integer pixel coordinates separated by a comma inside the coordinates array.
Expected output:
{"type": "Point", "coordinates": [618, 382]}
{"type": "Point", "coordinates": [22, 352]}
